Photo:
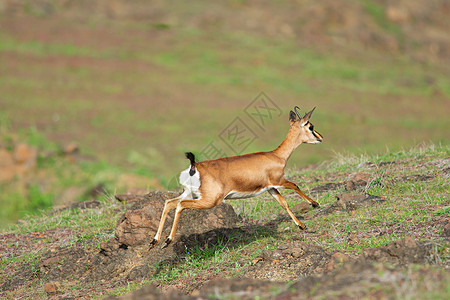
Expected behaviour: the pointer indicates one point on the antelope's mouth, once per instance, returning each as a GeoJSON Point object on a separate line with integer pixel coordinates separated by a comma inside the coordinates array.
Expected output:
{"type": "Point", "coordinates": [318, 137]}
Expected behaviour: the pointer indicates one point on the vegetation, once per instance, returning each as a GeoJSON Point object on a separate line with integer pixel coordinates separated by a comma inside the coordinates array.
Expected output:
{"type": "Point", "coordinates": [108, 97]}
{"type": "Point", "coordinates": [141, 99]}
{"type": "Point", "coordinates": [410, 182]}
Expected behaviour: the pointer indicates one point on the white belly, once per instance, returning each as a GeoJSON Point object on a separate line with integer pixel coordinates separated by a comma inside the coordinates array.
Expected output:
{"type": "Point", "coordinates": [242, 195]}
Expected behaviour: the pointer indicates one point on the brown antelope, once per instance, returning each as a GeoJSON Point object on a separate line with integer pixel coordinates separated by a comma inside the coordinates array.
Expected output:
{"type": "Point", "coordinates": [207, 183]}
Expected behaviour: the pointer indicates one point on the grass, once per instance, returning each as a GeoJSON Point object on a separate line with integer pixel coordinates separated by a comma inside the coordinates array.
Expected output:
{"type": "Point", "coordinates": [189, 74]}
{"type": "Point", "coordinates": [41, 187]}
{"type": "Point", "coordinates": [145, 92]}
{"type": "Point", "coordinates": [410, 209]}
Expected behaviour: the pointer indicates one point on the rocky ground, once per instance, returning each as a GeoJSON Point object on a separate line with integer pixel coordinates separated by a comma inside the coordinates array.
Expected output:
{"type": "Point", "coordinates": [295, 269]}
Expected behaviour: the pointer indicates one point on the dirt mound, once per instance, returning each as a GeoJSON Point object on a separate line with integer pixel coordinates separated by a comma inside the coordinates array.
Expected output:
{"type": "Point", "coordinates": [401, 252]}
{"type": "Point", "coordinates": [129, 255]}
{"type": "Point", "coordinates": [309, 266]}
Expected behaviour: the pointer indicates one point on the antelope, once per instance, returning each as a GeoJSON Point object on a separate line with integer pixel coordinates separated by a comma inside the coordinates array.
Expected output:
{"type": "Point", "coordinates": [207, 183]}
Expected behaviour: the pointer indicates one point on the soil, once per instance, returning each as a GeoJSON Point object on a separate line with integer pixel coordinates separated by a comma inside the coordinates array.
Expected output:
{"type": "Point", "coordinates": [293, 270]}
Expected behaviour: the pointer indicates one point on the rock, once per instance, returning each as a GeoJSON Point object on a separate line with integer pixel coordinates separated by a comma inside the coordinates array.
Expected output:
{"type": "Point", "coordinates": [7, 165]}
{"type": "Point", "coordinates": [135, 227]}
{"type": "Point", "coordinates": [70, 148]}
{"type": "Point", "coordinates": [358, 182]}
{"type": "Point", "coordinates": [283, 247]}
{"type": "Point", "coordinates": [277, 254]}
{"type": "Point", "coordinates": [25, 155]}
{"type": "Point", "coordinates": [403, 251]}
{"type": "Point", "coordinates": [52, 287]}
{"type": "Point", "coordinates": [139, 272]}
{"type": "Point", "coordinates": [397, 14]}
{"type": "Point", "coordinates": [138, 226]}
{"type": "Point", "coordinates": [137, 191]}
{"type": "Point", "coordinates": [86, 204]}
{"type": "Point", "coordinates": [446, 231]}
{"type": "Point", "coordinates": [347, 201]}
{"type": "Point", "coordinates": [337, 259]}
{"type": "Point", "coordinates": [301, 207]}
{"type": "Point", "coordinates": [297, 252]}
{"type": "Point", "coordinates": [81, 205]}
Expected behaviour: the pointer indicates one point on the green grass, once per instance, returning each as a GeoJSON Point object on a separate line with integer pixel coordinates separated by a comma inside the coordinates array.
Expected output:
{"type": "Point", "coordinates": [146, 92]}
{"type": "Point", "coordinates": [409, 210]}
{"type": "Point", "coordinates": [142, 104]}
{"type": "Point", "coordinates": [39, 189]}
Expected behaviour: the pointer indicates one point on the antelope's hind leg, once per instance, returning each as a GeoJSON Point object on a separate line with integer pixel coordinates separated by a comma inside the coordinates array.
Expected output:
{"type": "Point", "coordinates": [283, 203]}
{"type": "Point", "coordinates": [201, 203]}
{"type": "Point", "coordinates": [168, 206]}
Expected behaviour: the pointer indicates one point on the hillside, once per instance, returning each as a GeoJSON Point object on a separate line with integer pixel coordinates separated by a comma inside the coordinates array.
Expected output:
{"type": "Point", "coordinates": [99, 99]}
{"type": "Point", "coordinates": [137, 83]}
{"type": "Point", "coordinates": [382, 231]}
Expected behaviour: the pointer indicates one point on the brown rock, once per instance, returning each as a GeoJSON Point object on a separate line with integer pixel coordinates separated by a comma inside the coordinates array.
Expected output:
{"type": "Point", "coordinates": [301, 207]}
{"type": "Point", "coordinates": [297, 252]}
{"type": "Point", "coordinates": [25, 155]}
{"type": "Point", "coordinates": [52, 287]}
{"type": "Point", "coordinates": [70, 148]}
{"type": "Point", "coordinates": [138, 226]}
{"type": "Point", "coordinates": [277, 254]}
{"type": "Point", "coordinates": [446, 231]}
{"type": "Point", "coordinates": [256, 260]}
{"type": "Point", "coordinates": [358, 181]}
{"type": "Point", "coordinates": [397, 14]}
{"type": "Point", "coordinates": [337, 259]}
{"type": "Point", "coordinates": [347, 201]}
{"type": "Point", "coordinates": [402, 251]}
{"type": "Point", "coordinates": [7, 166]}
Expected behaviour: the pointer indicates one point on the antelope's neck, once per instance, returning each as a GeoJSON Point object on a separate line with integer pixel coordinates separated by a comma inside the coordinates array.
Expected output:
{"type": "Point", "coordinates": [288, 146]}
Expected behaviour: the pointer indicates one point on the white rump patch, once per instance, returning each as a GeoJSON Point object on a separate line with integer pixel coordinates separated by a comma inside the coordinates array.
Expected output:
{"type": "Point", "coordinates": [191, 184]}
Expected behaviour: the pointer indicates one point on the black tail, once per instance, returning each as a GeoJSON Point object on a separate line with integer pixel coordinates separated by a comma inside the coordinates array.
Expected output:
{"type": "Point", "coordinates": [191, 157]}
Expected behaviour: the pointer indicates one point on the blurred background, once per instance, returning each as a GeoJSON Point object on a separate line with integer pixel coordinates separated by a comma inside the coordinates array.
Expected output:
{"type": "Point", "coordinates": [105, 88]}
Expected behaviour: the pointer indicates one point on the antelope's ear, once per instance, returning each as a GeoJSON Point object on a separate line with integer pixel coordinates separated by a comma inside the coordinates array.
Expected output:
{"type": "Point", "coordinates": [307, 116]}
{"type": "Point", "coordinates": [292, 117]}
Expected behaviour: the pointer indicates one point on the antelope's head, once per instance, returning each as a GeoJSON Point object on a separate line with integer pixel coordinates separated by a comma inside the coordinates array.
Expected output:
{"type": "Point", "coordinates": [303, 128]}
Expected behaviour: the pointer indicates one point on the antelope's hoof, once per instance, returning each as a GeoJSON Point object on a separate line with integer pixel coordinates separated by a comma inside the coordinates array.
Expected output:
{"type": "Point", "coordinates": [166, 243]}
{"type": "Point", "coordinates": [302, 227]}
{"type": "Point", "coordinates": [153, 243]}
{"type": "Point", "coordinates": [315, 205]}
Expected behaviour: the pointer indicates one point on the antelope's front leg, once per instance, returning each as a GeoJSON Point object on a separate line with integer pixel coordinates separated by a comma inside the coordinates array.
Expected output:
{"type": "Point", "coordinates": [293, 186]}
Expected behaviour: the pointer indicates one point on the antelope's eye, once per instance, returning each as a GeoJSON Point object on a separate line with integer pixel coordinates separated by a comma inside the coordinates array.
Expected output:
{"type": "Point", "coordinates": [311, 127]}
